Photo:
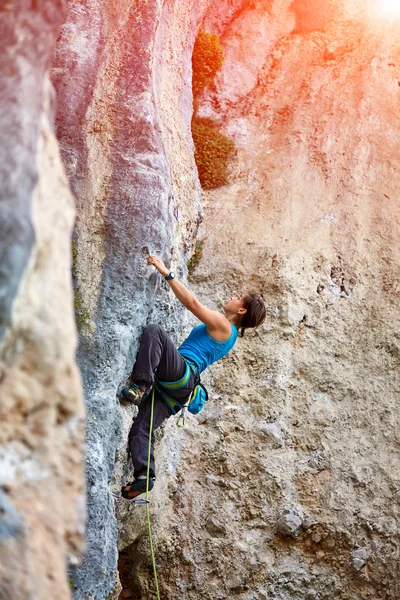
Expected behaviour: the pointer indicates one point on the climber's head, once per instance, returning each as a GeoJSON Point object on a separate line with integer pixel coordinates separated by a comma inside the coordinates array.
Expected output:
{"type": "Point", "coordinates": [248, 310]}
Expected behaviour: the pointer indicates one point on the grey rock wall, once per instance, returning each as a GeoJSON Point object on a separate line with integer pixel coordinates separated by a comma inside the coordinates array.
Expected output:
{"type": "Point", "coordinates": [122, 72]}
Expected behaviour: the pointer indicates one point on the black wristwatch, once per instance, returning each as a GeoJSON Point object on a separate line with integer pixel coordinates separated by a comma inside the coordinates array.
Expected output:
{"type": "Point", "coordinates": [170, 276]}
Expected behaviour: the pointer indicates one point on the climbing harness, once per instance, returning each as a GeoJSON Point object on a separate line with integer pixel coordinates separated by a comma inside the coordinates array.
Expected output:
{"type": "Point", "coordinates": [162, 386]}
{"type": "Point", "coordinates": [198, 397]}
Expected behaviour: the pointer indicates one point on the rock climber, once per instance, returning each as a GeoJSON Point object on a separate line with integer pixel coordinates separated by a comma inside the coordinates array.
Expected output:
{"type": "Point", "coordinates": [159, 361]}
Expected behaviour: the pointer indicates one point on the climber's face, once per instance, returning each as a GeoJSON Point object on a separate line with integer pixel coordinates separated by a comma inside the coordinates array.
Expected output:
{"type": "Point", "coordinates": [235, 305]}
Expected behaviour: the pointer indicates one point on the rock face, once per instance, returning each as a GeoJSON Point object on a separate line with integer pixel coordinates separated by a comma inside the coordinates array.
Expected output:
{"type": "Point", "coordinates": [41, 409]}
{"type": "Point", "coordinates": [286, 485]}
{"type": "Point", "coordinates": [122, 72]}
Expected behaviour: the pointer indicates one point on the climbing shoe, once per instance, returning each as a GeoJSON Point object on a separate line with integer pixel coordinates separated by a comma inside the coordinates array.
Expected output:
{"type": "Point", "coordinates": [132, 393]}
{"type": "Point", "coordinates": [134, 488]}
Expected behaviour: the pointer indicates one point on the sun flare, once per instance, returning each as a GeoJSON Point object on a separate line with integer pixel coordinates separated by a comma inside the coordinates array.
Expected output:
{"type": "Point", "coordinates": [389, 8]}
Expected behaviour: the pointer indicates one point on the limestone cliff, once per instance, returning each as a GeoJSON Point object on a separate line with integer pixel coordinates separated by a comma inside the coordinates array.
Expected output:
{"type": "Point", "coordinates": [286, 487]}
{"type": "Point", "coordinates": [290, 486]}
{"type": "Point", "coordinates": [41, 474]}
{"type": "Point", "coordinates": [122, 72]}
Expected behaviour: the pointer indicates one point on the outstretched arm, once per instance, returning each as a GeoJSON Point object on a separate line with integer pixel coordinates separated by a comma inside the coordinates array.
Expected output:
{"type": "Point", "coordinates": [215, 321]}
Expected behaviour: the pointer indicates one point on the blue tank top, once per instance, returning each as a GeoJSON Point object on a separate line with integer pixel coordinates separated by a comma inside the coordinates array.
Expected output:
{"type": "Point", "coordinates": [203, 349]}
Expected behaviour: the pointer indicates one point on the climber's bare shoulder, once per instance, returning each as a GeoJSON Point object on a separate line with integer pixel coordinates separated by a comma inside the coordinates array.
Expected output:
{"type": "Point", "coordinates": [217, 324]}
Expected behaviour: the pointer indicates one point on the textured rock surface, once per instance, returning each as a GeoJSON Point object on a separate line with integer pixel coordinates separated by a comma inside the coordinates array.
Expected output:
{"type": "Point", "coordinates": [122, 74]}
{"type": "Point", "coordinates": [41, 409]}
{"type": "Point", "coordinates": [287, 486]}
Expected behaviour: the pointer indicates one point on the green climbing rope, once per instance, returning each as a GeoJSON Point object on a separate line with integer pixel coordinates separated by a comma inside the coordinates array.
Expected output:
{"type": "Point", "coordinates": [147, 497]}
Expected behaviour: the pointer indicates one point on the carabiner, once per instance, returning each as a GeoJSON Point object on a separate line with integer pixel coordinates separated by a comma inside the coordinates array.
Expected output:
{"type": "Point", "coordinates": [181, 418]}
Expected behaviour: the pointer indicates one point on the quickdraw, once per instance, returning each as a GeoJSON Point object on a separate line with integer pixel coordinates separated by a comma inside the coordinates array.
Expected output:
{"type": "Point", "coordinates": [133, 500]}
{"type": "Point", "coordinates": [181, 419]}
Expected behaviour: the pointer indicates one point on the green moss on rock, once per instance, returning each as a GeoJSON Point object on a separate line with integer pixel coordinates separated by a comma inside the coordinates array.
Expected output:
{"type": "Point", "coordinates": [212, 148]}
{"type": "Point", "coordinates": [207, 60]}
{"type": "Point", "coordinates": [196, 257]}
{"type": "Point", "coordinates": [212, 151]}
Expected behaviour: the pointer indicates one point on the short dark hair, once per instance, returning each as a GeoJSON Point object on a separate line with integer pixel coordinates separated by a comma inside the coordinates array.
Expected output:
{"type": "Point", "coordinates": [256, 312]}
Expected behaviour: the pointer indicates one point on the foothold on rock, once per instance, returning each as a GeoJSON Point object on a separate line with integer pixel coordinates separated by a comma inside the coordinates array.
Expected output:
{"type": "Point", "coordinates": [273, 432]}
{"type": "Point", "coordinates": [359, 557]}
{"type": "Point", "coordinates": [290, 522]}
{"type": "Point", "coordinates": [318, 460]}
{"type": "Point", "coordinates": [73, 560]}
{"type": "Point", "coordinates": [261, 595]}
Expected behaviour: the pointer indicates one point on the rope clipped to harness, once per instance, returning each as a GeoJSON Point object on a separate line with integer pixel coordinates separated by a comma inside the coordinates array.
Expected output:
{"type": "Point", "coordinates": [197, 399]}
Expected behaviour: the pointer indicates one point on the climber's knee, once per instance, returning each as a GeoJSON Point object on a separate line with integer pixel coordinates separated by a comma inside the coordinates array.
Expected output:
{"type": "Point", "coordinates": [153, 329]}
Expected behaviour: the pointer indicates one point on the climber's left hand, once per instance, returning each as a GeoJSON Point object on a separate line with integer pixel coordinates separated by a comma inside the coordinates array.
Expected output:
{"type": "Point", "coordinates": [158, 264]}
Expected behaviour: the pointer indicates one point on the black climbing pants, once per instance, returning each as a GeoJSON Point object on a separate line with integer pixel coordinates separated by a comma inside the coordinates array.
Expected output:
{"type": "Point", "coordinates": [157, 353]}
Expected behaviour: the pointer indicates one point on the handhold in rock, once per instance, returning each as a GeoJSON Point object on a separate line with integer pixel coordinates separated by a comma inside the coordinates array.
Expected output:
{"type": "Point", "coordinates": [215, 528]}
{"type": "Point", "coordinates": [290, 522]}
{"type": "Point", "coordinates": [141, 262]}
{"type": "Point", "coordinates": [273, 432]}
{"type": "Point", "coordinates": [359, 557]}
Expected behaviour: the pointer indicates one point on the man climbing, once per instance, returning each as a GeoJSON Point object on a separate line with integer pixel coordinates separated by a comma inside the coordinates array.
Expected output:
{"type": "Point", "coordinates": [175, 373]}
